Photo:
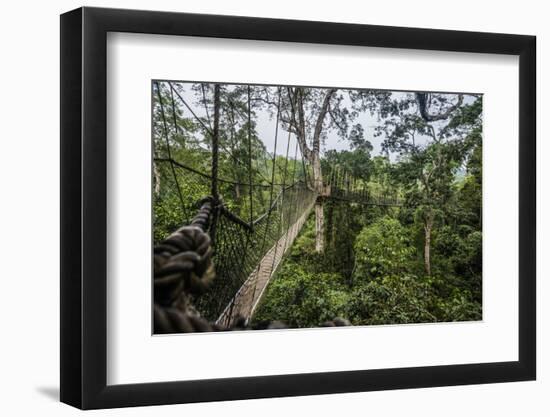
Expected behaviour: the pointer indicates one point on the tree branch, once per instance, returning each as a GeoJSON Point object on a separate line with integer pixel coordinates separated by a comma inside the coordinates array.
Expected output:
{"type": "Point", "coordinates": [333, 118]}
{"type": "Point", "coordinates": [320, 120]}
{"type": "Point", "coordinates": [422, 101]}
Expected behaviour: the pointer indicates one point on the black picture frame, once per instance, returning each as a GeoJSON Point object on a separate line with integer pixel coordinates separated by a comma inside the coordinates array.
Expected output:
{"type": "Point", "coordinates": [84, 207]}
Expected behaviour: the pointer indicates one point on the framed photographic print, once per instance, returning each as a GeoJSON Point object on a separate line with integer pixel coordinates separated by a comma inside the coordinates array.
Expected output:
{"type": "Point", "coordinates": [256, 208]}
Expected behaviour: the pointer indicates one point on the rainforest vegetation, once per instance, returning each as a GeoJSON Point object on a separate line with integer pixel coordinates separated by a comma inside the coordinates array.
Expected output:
{"type": "Point", "coordinates": [418, 259]}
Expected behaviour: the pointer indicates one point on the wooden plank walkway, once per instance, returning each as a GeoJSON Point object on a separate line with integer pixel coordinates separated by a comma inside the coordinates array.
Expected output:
{"type": "Point", "coordinates": [249, 295]}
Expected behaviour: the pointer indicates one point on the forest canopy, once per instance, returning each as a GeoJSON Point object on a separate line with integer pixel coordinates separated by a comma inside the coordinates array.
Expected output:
{"type": "Point", "coordinates": [377, 195]}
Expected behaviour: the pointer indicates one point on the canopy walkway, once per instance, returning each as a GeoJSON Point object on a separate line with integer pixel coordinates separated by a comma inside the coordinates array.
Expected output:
{"type": "Point", "coordinates": [211, 273]}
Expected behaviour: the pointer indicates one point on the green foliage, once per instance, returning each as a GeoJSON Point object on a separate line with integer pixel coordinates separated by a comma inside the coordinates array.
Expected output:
{"type": "Point", "coordinates": [357, 162]}
{"type": "Point", "coordinates": [167, 218]}
{"type": "Point", "coordinates": [385, 287]}
{"type": "Point", "coordinates": [392, 299]}
{"type": "Point", "coordinates": [381, 249]}
{"type": "Point", "coordinates": [343, 222]}
{"type": "Point", "coordinates": [459, 307]}
{"type": "Point", "coordinates": [302, 298]}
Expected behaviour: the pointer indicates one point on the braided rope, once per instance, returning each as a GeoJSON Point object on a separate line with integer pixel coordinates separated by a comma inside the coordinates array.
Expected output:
{"type": "Point", "coordinates": [183, 267]}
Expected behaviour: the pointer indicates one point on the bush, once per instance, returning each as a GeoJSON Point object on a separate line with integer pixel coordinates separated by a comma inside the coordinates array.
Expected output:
{"type": "Point", "coordinates": [301, 298]}
{"type": "Point", "coordinates": [382, 249]}
{"type": "Point", "coordinates": [392, 300]}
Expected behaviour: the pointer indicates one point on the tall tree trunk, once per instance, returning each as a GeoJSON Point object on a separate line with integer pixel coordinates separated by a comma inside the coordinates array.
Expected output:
{"type": "Point", "coordinates": [319, 226]}
{"type": "Point", "coordinates": [312, 155]}
{"type": "Point", "coordinates": [319, 212]}
{"type": "Point", "coordinates": [428, 225]}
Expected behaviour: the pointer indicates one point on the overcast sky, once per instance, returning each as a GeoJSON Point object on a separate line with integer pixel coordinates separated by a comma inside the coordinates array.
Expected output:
{"type": "Point", "coordinates": [266, 131]}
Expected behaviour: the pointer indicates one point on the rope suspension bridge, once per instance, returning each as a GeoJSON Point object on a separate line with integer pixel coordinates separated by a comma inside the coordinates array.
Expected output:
{"type": "Point", "coordinates": [211, 272]}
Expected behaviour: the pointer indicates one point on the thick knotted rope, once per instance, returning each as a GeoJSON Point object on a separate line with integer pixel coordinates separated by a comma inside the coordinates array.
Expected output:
{"type": "Point", "coordinates": [183, 262]}
{"type": "Point", "coordinates": [183, 267]}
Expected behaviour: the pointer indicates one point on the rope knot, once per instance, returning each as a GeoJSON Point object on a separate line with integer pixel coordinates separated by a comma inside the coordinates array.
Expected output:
{"type": "Point", "coordinates": [183, 261]}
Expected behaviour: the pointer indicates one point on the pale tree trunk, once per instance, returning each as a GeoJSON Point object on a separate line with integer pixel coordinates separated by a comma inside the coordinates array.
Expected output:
{"type": "Point", "coordinates": [319, 227]}
{"type": "Point", "coordinates": [317, 175]}
{"type": "Point", "coordinates": [312, 155]}
{"type": "Point", "coordinates": [428, 224]}
{"type": "Point", "coordinates": [319, 209]}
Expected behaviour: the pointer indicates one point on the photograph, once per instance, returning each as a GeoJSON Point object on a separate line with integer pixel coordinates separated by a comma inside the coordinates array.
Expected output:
{"type": "Point", "coordinates": [285, 207]}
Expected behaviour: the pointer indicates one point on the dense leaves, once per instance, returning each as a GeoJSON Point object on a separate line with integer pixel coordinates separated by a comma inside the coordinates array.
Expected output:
{"type": "Point", "coordinates": [421, 262]}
